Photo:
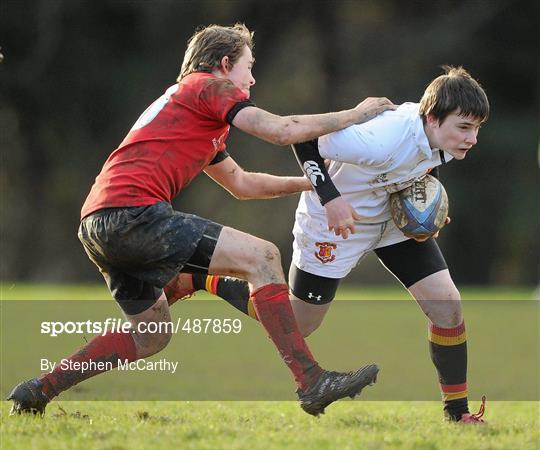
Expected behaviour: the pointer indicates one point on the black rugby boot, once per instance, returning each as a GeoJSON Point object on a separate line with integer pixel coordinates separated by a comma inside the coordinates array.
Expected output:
{"type": "Point", "coordinates": [28, 398]}
{"type": "Point", "coordinates": [332, 386]}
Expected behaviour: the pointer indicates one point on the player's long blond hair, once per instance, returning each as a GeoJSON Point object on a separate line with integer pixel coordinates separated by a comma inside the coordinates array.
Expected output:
{"type": "Point", "coordinates": [207, 47]}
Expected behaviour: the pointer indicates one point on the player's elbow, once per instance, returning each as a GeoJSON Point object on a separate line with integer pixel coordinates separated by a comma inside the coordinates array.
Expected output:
{"type": "Point", "coordinates": [283, 140]}
{"type": "Point", "coordinates": [240, 190]}
{"type": "Point", "coordinates": [280, 138]}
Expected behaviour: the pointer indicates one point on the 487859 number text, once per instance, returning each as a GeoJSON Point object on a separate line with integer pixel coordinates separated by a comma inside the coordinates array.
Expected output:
{"type": "Point", "coordinates": [210, 326]}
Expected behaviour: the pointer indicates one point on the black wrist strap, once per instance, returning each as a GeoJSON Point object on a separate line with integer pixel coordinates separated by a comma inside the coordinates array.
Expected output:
{"type": "Point", "coordinates": [312, 164]}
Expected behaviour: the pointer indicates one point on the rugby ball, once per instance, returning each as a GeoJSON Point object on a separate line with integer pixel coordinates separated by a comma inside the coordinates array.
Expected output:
{"type": "Point", "coordinates": [420, 210]}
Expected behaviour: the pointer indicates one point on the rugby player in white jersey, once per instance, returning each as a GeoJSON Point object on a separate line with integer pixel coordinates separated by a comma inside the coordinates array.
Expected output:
{"type": "Point", "coordinates": [368, 162]}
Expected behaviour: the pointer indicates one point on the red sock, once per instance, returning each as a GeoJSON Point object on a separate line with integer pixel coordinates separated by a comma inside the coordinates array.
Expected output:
{"type": "Point", "coordinates": [274, 310]}
{"type": "Point", "coordinates": [106, 350]}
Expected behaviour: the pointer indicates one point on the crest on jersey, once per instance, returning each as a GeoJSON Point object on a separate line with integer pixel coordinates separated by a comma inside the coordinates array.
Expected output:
{"type": "Point", "coordinates": [325, 254]}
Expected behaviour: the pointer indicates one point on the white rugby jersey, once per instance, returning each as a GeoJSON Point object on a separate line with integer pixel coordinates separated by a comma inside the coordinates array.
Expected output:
{"type": "Point", "coordinates": [374, 159]}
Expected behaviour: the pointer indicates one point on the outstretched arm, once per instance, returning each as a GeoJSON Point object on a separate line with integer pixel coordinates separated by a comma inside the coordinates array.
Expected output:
{"type": "Point", "coordinates": [291, 129]}
{"type": "Point", "coordinates": [248, 185]}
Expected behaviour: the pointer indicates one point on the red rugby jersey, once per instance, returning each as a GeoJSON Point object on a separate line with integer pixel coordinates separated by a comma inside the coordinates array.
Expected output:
{"type": "Point", "coordinates": [172, 142]}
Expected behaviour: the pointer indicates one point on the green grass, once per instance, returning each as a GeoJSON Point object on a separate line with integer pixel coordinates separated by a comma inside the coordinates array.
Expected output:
{"type": "Point", "coordinates": [266, 425]}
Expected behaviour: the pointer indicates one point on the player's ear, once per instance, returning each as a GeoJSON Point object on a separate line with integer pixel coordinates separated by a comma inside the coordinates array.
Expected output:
{"type": "Point", "coordinates": [432, 121]}
{"type": "Point", "coordinates": [225, 65]}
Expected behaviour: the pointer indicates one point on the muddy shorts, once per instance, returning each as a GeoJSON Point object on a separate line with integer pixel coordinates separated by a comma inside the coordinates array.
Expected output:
{"type": "Point", "coordinates": [139, 249]}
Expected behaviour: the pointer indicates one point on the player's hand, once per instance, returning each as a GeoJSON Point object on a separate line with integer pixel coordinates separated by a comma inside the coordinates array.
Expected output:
{"type": "Point", "coordinates": [446, 222]}
{"type": "Point", "coordinates": [371, 107]}
{"type": "Point", "coordinates": [435, 236]}
{"type": "Point", "coordinates": [341, 217]}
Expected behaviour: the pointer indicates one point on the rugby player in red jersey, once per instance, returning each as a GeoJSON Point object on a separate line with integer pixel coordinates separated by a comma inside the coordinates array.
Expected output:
{"type": "Point", "coordinates": [139, 243]}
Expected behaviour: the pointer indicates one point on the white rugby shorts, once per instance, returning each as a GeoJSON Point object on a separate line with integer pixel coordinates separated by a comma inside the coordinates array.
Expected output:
{"type": "Point", "coordinates": [320, 252]}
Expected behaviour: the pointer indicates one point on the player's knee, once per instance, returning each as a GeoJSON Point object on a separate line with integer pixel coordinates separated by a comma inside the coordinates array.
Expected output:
{"type": "Point", "coordinates": [269, 254]}
{"type": "Point", "coordinates": [266, 259]}
{"type": "Point", "coordinates": [448, 317]}
{"type": "Point", "coordinates": [448, 313]}
{"type": "Point", "coordinates": [453, 316]}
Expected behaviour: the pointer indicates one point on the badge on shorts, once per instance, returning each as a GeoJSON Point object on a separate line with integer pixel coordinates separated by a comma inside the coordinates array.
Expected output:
{"type": "Point", "coordinates": [324, 254]}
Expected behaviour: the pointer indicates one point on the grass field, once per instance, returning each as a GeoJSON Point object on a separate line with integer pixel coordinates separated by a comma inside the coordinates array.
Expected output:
{"type": "Point", "coordinates": [266, 425]}
{"type": "Point", "coordinates": [80, 419]}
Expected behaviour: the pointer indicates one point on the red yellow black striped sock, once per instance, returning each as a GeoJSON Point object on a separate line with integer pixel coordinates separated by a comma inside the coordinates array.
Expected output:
{"type": "Point", "coordinates": [233, 290]}
{"type": "Point", "coordinates": [448, 349]}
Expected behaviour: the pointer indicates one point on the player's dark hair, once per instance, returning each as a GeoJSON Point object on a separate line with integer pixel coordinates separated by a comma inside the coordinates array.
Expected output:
{"type": "Point", "coordinates": [455, 91]}
{"type": "Point", "coordinates": [207, 47]}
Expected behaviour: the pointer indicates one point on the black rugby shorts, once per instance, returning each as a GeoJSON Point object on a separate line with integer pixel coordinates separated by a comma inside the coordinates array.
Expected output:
{"type": "Point", "coordinates": [139, 249]}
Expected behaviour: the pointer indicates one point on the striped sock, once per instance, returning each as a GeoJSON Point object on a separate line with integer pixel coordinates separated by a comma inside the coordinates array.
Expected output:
{"type": "Point", "coordinates": [232, 290]}
{"type": "Point", "coordinates": [448, 349]}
